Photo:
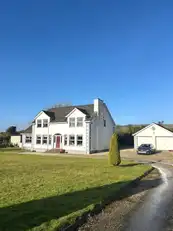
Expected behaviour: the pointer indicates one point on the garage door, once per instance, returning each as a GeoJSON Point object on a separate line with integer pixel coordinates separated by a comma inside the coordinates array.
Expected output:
{"type": "Point", "coordinates": [144, 140]}
{"type": "Point", "coordinates": [164, 143]}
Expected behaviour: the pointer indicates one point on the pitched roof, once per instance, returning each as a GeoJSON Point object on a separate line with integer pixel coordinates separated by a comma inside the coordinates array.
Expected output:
{"type": "Point", "coordinates": [165, 127]}
{"type": "Point", "coordinates": [59, 114]}
{"type": "Point", "coordinates": [160, 125]}
{"type": "Point", "coordinates": [28, 130]}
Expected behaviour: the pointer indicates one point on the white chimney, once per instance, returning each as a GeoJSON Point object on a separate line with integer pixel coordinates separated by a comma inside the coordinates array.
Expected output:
{"type": "Point", "coordinates": [97, 103]}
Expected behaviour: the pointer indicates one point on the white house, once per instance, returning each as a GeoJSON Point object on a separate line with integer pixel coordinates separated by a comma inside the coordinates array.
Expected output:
{"type": "Point", "coordinates": [157, 135]}
{"type": "Point", "coordinates": [76, 129]}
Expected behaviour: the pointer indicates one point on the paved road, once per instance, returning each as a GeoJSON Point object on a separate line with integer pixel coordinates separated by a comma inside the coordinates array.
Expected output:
{"type": "Point", "coordinates": [149, 206]}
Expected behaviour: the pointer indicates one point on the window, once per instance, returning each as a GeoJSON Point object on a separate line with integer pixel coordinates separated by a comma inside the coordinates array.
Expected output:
{"type": "Point", "coordinates": [104, 121]}
{"type": "Point", "coordinates": [72, 122]}
{"type": "Point", "coordinates": [79, 140]}
{"type": "Point", "coordinates": [28, 139]}
{"type": "Point", "coordinates": [50, 139]}
{"type": "Point", "coordinates": [71, 140]}
{"type": "Point", "coordinates": [45, 123]}
{"type": "Point", "coordinates": [80, 122]}
{"type": "Point", "coordinates": [38, 123]}
{"type": "Point", "coordinates": [44, 141]}
{"type": "Point", "coordinates": [65, 139]}
{"type": "Point", "coordinates": [38, 139]}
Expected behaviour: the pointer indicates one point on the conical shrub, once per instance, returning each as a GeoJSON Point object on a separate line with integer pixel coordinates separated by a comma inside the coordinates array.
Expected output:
{"type": "Point", "coordinates": [114, 152]}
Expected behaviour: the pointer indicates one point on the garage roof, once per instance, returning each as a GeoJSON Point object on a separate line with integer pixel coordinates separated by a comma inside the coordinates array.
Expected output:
{"type": "Point", "coordinates": [150, 126]}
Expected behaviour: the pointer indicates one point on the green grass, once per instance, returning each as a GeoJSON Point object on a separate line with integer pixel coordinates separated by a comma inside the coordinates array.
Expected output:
{"type": "Point", "coordinates": [41, 193]}
{"type": "Point", "coordinates": [11, 149]}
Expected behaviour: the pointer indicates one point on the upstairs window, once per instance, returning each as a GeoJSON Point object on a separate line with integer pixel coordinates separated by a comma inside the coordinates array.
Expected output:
{"type": "Point", "coordinates": [79, 140]}
{"type": "Point", "coordinates": [80, 122]}
{"type": "Point", "coordinates": [72, 122]}
{"type": "Point", "coordinates": [39, 124]}
{"type": "Point", "coordinates": [45, 123]}
{"type": "Point", "coordinates": [104, 121]}
{"type": "Point", "coordinates": [38, 139]}
{"type": "Point", "coordinates": [65, 139]}
{"type": "Point", "coordinates": [28, 139]}
{"type": "Point", "coordinates": [44, 141]}
{"type": "Point", "coordinates": [72, 140]}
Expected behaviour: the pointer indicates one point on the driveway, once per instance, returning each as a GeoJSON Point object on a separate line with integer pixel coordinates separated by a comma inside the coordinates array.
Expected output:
{"type": "Point", "coordinates": [147, 208]}
{"type": "Point", "coordinates": [164, 156]}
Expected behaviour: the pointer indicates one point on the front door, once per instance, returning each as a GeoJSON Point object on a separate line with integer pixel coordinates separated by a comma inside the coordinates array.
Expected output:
{"type": "Point", "coordinates": [58, 140]}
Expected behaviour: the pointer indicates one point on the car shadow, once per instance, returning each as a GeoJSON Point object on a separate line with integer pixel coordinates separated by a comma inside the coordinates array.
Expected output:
{"type": "Point", "coordinates": [27, 215]}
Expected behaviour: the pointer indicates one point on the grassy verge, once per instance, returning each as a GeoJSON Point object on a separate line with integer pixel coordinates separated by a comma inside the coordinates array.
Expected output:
{"type": "Point", "coordinates": [12, 149]}
{"type": "Point", "coordinates": [44, 192]}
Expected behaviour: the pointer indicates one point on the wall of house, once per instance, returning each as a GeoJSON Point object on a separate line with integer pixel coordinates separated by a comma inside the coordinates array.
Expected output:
{"type": "Point", "coordinates": [40, 131]}
{"type": "Point", "coordinates": [15, 140]}
{"type": "Point", "coordinates": [63, 129]}
{"type": "Point", "coordinates": [96, 136]}
{"type": "Point", "coordinates": [101, 134]}
{"type": "Point", "coordinates": [24, 145]}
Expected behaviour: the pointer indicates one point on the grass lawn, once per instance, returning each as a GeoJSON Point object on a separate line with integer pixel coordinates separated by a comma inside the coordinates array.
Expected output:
{"type": "Point", "coordinates": [43, 192]}
{"type": "Point", "coordinates": [11, 149]}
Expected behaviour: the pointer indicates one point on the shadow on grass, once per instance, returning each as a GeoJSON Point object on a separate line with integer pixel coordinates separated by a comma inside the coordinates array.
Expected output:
{"type": "Point", "coordinates": [28, 215]}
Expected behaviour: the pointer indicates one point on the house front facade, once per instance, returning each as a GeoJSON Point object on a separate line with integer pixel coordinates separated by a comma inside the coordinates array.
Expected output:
{"type": "Point", "coordinates": [76, 129]}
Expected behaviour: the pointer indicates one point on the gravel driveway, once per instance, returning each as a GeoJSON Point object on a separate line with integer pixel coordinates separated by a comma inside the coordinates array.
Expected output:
{"type": "Point", "coordinates": [164, 156]}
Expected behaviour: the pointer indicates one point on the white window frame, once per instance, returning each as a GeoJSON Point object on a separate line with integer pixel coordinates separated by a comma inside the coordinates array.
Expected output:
{"type": "Point", "coordinates": [37, 139]}
{"type": "Point", "coordinates": [43, 139]}
{"type": "Point", "coordinates": [45, 122]}
{"type": "Point", "coordinates": [71, 144]}
{"type": "Point", "coordinates": [28, 139]}
{"type": "Point", "coordinates": [65, 140]}
{"type": "Point", "coordinates": [79, 121]}
{"type": "Point", "coordinates": [72, 123]}
{"type": "Point", "coordinates": [40, 123]}
{"type": "Point", "coordinates": [77, 140]}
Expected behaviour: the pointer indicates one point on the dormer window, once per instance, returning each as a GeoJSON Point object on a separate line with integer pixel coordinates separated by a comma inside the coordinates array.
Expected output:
{"type": "Point", "coordinates": [80, 122]}
{"type": "Point", "coordinates": [45, 123]}
{"type": "Point", "coordinates": [38, 123]}
{"type": "Point", "coordinates": [72, 122]}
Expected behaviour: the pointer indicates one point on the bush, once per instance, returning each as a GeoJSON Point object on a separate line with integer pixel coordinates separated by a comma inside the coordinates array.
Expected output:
{"type": "Point", "coordinates": [3, 145]}
{"type": "Point", "coordinates": [114, 152]}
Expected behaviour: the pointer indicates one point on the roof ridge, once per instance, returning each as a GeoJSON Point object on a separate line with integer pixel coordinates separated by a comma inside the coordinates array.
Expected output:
{"type": "Point", "coordinates": [82, 105]}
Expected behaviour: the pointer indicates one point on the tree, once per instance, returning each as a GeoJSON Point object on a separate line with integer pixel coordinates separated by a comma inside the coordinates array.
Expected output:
{"type": "Point", "coordinates": [114, 152]}
{"type": "Point", "coordinates": [11, 130]}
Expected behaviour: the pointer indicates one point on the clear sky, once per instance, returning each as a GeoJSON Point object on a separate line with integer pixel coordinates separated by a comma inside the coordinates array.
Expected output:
{"type": "Point", "coordinates": [74, 51]}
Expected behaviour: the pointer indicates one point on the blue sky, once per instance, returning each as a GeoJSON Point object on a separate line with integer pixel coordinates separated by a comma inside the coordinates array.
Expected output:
{"type": "Point", "coordinates": [75, 51]}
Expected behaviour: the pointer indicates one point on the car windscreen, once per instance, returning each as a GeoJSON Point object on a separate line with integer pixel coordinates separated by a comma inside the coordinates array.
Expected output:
{"type": "Point", "coordinates": [145, 145]}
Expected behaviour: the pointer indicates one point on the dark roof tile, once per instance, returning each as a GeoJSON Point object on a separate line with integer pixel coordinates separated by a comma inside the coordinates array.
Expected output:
{"type": "Point", "coordinates": [59, 114]}
{"type": "Point", "coordinates": [28, 130]}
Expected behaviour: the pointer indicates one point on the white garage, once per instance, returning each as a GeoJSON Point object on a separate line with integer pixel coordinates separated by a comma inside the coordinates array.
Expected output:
{"type": "Point", "coordinates": [160, 137]}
